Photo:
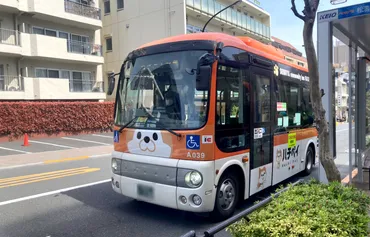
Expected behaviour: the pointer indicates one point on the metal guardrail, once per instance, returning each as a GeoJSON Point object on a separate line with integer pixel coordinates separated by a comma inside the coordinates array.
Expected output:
{"type": "Point", "coordinates": [11, 83]}
{"type": "Point", "coordinates": [11, 37]}
{"type": "Point", "coordinates": [219, 227]}
{"type": "Point", "coordinates": [84, 48]}
{"type": "Point", "coordinates": [82, 9]}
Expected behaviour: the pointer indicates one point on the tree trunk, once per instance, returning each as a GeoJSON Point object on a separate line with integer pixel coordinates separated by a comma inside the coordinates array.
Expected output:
{"type": "Point", "coordinates": [326, 159]}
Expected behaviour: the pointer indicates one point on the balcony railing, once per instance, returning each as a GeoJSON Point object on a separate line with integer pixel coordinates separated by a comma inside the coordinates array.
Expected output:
{"type": "Point", "coordinates": [11, 83]}
{"type": "Point", "coordinates": [230, 16]}
{"type": "Point", "coordinates": [10, 37]}
{"type": "Point", "coordinates": [86, 85]}
{"type": "Point", "coordinates": [84, 48]}
{"type": "Point", "coordinates": [82, 9]}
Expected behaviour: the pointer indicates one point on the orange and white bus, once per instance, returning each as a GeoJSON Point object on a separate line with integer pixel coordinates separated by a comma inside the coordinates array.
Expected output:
{"type": "Point", "coordinates": [205, 120]}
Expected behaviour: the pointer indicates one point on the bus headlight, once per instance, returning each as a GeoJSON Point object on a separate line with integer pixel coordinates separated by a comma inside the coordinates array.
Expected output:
{"type": "Point", "coordinates": [193, 179]}
{"type": "Point", "coordinates": [116, 166]}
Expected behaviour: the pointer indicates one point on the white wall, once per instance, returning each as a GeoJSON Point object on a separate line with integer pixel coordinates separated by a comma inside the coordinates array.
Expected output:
{"type": "Point", "coordinates": [140, 22]}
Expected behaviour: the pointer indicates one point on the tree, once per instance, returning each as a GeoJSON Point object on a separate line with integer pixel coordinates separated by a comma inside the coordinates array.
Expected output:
{"type": "Point", "coordinates": [308, 17]}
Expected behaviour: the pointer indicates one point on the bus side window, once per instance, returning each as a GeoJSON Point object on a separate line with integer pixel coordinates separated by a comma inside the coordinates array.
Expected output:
{"type": "Point", "coordinates": [231, 122]}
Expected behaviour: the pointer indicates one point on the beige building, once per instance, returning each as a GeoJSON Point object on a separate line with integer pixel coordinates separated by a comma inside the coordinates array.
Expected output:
{"type": "Point", "coordinates": [291, 54]}
{"type": "Point", "coordinates": [50, 50]}
{"type": "Point", "coordinates": [127, 24]}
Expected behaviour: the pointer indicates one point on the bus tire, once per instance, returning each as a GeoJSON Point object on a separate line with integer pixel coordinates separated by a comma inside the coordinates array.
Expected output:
{"type": "Point", "coordinates": [309, 161]}
{"type": "Point", "coordinates": [227, 197]}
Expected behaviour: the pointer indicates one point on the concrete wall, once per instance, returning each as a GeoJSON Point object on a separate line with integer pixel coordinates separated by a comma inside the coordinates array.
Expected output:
{"type": "Point", "coordinates": [140, 22]}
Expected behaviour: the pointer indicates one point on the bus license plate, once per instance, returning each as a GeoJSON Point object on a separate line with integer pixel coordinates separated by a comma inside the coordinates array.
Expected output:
{"type": "Point", "coordinates": [145, 191]}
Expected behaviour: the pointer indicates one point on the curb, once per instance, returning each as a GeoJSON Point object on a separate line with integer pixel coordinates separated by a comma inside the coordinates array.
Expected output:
{"type": "Point", "coordinates": [346, 179]}
{"type": "Point", "coordinates": [63, 160]}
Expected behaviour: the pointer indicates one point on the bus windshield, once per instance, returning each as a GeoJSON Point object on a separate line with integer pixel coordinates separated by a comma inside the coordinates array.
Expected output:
{"type": "Point", "coordinates": [160, 90]}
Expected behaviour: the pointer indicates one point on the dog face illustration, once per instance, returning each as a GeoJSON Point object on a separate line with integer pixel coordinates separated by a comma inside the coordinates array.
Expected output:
{"type": "Point", "coordinates": [149, 142]}
{"type": "Point", "coordinates": [262, 173]}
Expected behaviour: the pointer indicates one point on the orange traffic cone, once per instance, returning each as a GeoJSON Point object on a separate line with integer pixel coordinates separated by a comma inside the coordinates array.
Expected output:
{"type": "Point", "coordinates": [25, 140]}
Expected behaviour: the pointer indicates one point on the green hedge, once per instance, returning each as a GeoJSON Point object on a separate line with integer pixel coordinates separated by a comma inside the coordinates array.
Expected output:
{"type": "Point", "coordinates": [18, 118]}
{"type": "Point", "coordinates": [311, 209]}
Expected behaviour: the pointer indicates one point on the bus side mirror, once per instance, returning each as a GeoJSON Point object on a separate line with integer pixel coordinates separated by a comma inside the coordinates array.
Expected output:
{"type": "Point", "coordinates": [204, 71]}
{"type": "Point", "coordinates": [203, 77]}
{"type": "Point", "coordinates": [111, 83]}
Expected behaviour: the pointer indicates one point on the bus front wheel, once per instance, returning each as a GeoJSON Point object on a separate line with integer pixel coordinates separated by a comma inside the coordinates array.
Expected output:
{"type": "Point", "coordinates": [226, 197]}
{"type": "Point", "coordinates": [309, 161]}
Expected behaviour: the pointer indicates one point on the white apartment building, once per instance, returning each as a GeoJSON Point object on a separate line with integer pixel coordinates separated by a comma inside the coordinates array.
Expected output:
{"type": "Point", "coordinates": [50, 50]}
{"type": "Point", "coordinates": [127, 24]}
{"type": "Point", "coordinates": [341, 96]}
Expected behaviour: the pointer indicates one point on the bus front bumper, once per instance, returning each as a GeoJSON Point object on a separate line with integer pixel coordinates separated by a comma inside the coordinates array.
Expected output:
{"type": "Point", "coordinates": [164, 193]}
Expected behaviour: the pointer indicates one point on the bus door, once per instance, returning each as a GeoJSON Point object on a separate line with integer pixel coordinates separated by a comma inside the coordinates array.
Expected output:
{"type": "Point", "coordinates": [261, 129]}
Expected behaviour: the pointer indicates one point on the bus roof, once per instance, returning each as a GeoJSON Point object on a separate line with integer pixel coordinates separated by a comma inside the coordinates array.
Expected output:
{"type": "Point", "coordinates": [242, 42]}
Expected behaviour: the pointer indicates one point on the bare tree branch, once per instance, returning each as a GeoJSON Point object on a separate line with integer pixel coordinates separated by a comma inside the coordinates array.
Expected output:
{"type": "Point", "coordinates": [294, 9]}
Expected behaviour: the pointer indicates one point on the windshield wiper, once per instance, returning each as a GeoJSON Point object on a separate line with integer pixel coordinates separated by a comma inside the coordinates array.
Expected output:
{"type": "Point", "coordinates": [161, 124]}
{"type": "Point", "coordinates": [127, 124]}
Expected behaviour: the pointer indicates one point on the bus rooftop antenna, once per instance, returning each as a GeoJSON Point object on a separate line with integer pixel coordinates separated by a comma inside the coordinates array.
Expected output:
{"type": "Point", "coordinates": [220, 12]}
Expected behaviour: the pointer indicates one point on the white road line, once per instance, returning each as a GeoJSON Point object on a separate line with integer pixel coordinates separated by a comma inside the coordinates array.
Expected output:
{"type": "Point", "coordinates": [102, 155]}
{"type": "Point", "coordinates": [52, 192]}
{"type": "Point", "coordinates": [9, 149]}
{"type": "Point", "coordinates": [20, 166]}
{"type": "Point", "coordinates": [98, 135]}
{"type": "Point", "coordinates": [83, 140]}
{"type": "Point", "coordinates": [52, 144]}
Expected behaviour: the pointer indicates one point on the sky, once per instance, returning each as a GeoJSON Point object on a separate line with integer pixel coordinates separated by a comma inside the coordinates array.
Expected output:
{"type": "Point", "coordinates": [286, 26]}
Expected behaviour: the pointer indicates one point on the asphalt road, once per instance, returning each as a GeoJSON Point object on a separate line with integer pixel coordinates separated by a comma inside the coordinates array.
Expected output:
{"type": "Point", "coordinates": [76, 199]}
{"type": "Point", "coordinates": [37, 145]}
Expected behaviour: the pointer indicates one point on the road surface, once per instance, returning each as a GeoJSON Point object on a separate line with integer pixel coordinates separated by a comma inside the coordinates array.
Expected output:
{"type": "Point", "coordinates": [76, 199]}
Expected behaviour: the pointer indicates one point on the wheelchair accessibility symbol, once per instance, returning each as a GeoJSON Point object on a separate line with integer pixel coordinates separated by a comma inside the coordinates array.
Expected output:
{"type": "Point", "coordinates": [193, 142]}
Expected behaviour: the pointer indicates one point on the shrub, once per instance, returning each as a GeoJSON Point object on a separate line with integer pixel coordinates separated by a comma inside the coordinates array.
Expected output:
{"type": "Point", "coordinates": [18, 118]}
{"type": "Point", "coordinates": [311, 209]}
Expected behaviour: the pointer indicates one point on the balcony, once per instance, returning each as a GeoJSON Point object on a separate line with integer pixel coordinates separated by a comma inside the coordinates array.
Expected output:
{"type": "Point", "coordinates": [11, 87]}
{"type": "Point", "coordinates": [11, 83]}
{"type": "Point", "coordinates": [52, 89]}
{"type": "Point", "coordinates": [9, 42]}
{"type": "Point", "coordinates": [59, 49]}
{"type": "Point", "coordinates": [82, 9]}
{"type": "Point", "coordinates": [67, 89]}
{"type": "Point", "coordinates": [230, 17]}
{"type": "Point", "coordinates": [66, 11]}
{"type": "Point", "coordinates": [9, 5]}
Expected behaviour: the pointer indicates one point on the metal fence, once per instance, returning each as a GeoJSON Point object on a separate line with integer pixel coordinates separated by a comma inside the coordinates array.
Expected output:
{"type": "Point", "coordinates": [84, 48]}
{"type": "Point", "coordinates": [82, 9]}
{"type": "Point", "coordinates": [10, 37]}
{"type": "Point", "coordinates": [11, 83]}
{"type": "Point", "coordinates": [221, 226]}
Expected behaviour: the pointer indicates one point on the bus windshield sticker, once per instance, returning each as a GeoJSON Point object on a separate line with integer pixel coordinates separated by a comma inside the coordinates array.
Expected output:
{"type": "Point", "coordinates": [292, 140]}
{"type": "Point", "coordinates": [116, 136]}
{"type": "Point", "coordinates": [258, 133]}
{"type": "Point", "coordinates": [280, 121]}
{"type": "Point", "coordinates": [285, 121]}
{"type": "Point", "coordinates": [297, 119]}
{"type": "Point", "coordinates": [281, 106]}
{"type": "Point", "coordinates": [207, 139]}
{"type": "Point", "coordinates": [193, 142]}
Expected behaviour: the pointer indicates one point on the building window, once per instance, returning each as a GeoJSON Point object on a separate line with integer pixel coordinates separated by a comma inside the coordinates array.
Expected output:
{"type": "Point", "coordinates": [120, 4]}
{"type": "Point", "coordinates": [108, 43]}
{"type": "Point", "coordinates": [106, 7]}
{"type": "Point", "coordinates": [38, 30]}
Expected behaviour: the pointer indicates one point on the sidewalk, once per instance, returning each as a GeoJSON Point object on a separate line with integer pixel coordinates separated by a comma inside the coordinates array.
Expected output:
{"type": "Point", "coordinates": [49, 157]}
